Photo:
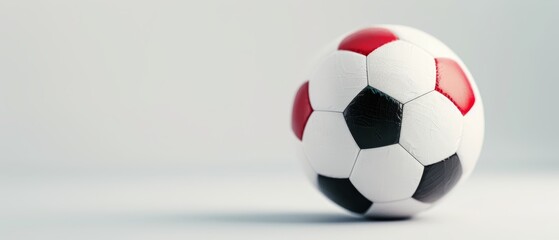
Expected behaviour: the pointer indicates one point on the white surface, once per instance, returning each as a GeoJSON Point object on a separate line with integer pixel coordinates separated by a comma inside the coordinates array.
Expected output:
{"type": "Point", "coordinates": [328, 144]}
{"type": "Point", "coordinates": [471, 141]}
{"type": "Point", "coordinates": [402, 208]}
{"type": "Point", "coordinates": [473, 132]}
{"type": "Point", "coordinates": [431, 128]}
{"type": "Point", "coordinates": [401, 70]}
{"type": "Point", "coordinates": [337, 80]}
{"type": "Point", "coordinates": [386, 174]}
{"type": "Point", "coordinates": [422, 39]}
{"type": "Point", "coordinates": [322, 54]}
{"type": "Point", "coordinates": [255, 202]}
{"type": "Point", "coordinates": [304, 163]}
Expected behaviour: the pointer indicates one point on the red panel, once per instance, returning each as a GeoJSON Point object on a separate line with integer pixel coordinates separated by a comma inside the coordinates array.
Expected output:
{"type": "Point", "coordinates": [367, 40]}
{"type": "Point", "coordinates": [301, 110]}
{"type": "Point", "coordinates": [453, 83]}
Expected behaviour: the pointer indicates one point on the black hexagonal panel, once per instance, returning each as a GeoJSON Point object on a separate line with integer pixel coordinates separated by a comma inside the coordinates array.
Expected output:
{"type": "Point", "coordinates": [374, 118]}
{"type": "Point", "coordinates": [438, 179]}
{"type": "Point", "coordinates": [342, 192]}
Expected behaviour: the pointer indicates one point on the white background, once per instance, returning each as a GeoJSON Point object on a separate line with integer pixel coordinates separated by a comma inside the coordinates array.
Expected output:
{"type": "Point", "coordinates": [93, 91]}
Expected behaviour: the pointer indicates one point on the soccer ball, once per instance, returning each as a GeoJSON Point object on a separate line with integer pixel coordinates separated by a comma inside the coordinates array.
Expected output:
{"type": "Point", "coordinates": [388, 122]}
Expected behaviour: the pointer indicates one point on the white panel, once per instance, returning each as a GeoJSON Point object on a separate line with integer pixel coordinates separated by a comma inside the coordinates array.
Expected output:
{"type": "Point", "coordinates": [422, 39]}
{"type": "Point", "coordinates": [328, 144]}
{"type": "Point", "coordinates": [431, 128]}
{"type": "Point", "coordinates": [402, 70]}
{"type": "Point", "coordinates": [431, 44]}
{"type": "Point", "coordinates": [472, 138]}
{"type": "Point", "coordinates": [396, 209]}
{"type": "Point", "coordinates": [322, 54]}
{"type": "Point", "coordinates": [305, 165]}
{"type": "Point", "coordinates": [337, 81]}
{"type": "Point", "coordinates": [386, 173]}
